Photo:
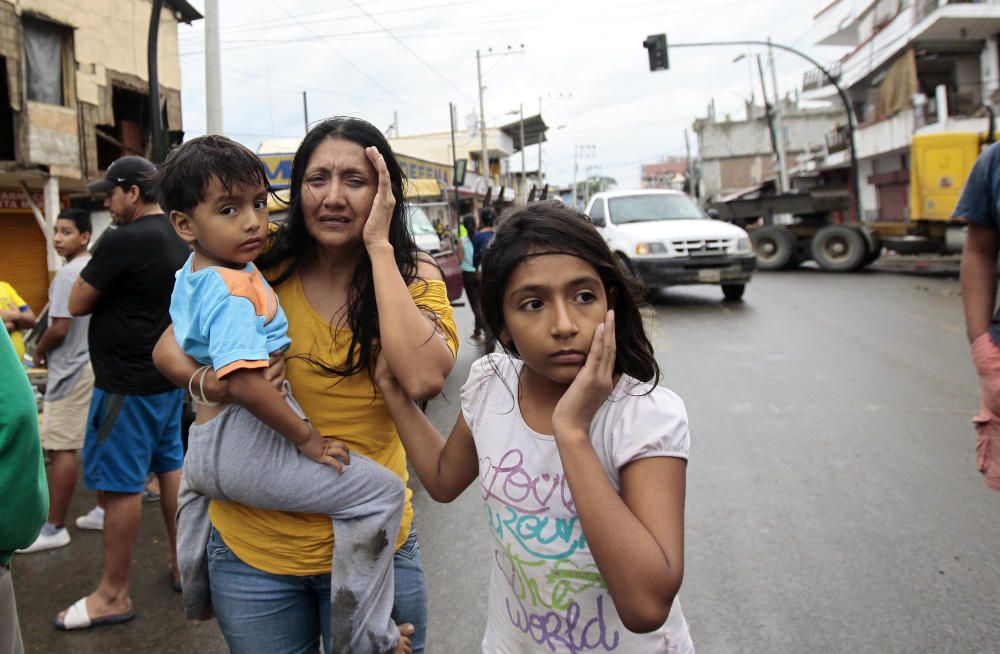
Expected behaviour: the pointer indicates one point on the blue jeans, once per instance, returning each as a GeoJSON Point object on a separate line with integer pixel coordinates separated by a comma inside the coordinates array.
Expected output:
{"type": "Point", "coordinates": [259, 612]}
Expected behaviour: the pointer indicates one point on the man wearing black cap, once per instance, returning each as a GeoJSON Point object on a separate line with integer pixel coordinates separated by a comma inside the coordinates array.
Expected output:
{"type": "Point", "coordinates": [135, 413]}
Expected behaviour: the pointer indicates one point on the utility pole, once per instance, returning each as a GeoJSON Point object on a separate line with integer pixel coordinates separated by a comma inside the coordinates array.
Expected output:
{"type": "Point", "coordinates": [524, 172]}
{"type": "Point", "coordinates": [482, 109]}
{"type": "Point", "coordinates": [454, 167]}
{"type": "Point", "coordinates": [541, 137]}
{"type": "Point", "coordinates": [395, 123]}
{"type": "Point", "coordinates": [778, 111]}
{"type": "Point", "coordinates": [484, 167]}
{"type": "Point", "coordinates": [768, 110]}
{"type": "Point", "coordinates": [687, 163]}
{"type": "Point", "coordinates": [213, 69]}
{"type": "Point", "coordinates": [305, 112]}
{"type": "Point", "coordinates": [577, 149]}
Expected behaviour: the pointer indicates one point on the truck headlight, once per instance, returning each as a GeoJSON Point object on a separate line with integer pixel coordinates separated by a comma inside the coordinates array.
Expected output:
{"type": "Point", "coordinates": [650, 248]}
{"type": "Point", "coordinates": [743, 244]}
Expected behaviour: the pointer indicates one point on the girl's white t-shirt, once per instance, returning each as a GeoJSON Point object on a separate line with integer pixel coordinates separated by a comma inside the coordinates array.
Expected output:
{"type": "Point", "coordinates": [546, 593]}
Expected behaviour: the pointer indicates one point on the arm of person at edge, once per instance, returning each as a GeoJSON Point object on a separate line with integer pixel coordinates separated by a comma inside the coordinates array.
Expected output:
{"type": "Point", "coordinates": [636, 537]}
{"type": "Point", "coordinates": [178, 367]}
{"type": "Point", "coordinates": [15, 318]}
{"type": "Point", "coordinates": [53, 337]}
{"type": "Point", "coordinates": [979, 278]}
{"type": "Point", "coordinates": [83, 298]}
{"type": "Point", "coordinates": [419, 358]}
{"type": "Point", "coordinates": [445, 467]}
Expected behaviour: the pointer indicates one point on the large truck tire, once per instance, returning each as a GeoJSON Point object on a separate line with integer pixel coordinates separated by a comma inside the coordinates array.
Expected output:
{"type": "Point", "coordinates": [874, 246]}
{"type": "Point", "coordinates": [839, 248]}
{"type": "Point", "coordinates": [775, 247]}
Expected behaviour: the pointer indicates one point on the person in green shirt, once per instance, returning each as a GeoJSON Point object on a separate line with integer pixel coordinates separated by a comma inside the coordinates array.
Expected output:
{"type": "Point", "coordinates": [22, 482]}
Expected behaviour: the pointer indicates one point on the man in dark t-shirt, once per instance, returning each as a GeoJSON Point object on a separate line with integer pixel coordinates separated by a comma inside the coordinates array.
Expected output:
{"type": "Point", "coordinates": [979, 205]}
{"type": "Point", "coordinates": [135, 413]}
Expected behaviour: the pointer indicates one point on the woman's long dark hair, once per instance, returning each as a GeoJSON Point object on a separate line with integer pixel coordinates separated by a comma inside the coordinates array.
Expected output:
{"type": "Point", "coordinates": [552, 227]}
{"type": "Point", "coordinates": [292, 243]}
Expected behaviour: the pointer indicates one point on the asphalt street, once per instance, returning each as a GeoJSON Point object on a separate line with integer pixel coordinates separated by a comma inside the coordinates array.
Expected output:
{"type": "Point", "coordinates": [833, 504]}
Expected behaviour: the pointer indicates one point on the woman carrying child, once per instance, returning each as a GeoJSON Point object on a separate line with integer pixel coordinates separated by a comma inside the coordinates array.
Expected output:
{"type": "Point", "coordinates": [353, 286]}
{"type": "Point", "coordinates": [578, 455]}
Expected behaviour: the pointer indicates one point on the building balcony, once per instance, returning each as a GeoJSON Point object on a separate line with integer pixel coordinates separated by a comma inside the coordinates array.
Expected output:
{"type": "Point", "coordinates": [933, 24]}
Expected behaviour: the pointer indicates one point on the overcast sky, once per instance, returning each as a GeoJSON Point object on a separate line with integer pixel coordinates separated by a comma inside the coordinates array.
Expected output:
{"type": "Point", "coordinates": [582, 59]}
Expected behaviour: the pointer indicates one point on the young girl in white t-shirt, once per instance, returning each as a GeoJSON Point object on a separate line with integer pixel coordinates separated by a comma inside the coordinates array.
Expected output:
{"type": "Point", "coordinates": [578, 455]}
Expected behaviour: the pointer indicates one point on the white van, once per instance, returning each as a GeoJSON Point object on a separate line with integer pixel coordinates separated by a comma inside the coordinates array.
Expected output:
{"type": "Point", "coordinates": [666, 239]}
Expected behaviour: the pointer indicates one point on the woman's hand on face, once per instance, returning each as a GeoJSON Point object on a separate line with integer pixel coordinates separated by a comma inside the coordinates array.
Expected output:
{"type": "Point", "coordinates": [376, 230]}
{"type": "Point", "coordinates": [593, 384]}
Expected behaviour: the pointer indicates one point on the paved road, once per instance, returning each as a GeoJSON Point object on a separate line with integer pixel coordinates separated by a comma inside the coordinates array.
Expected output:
{"type": "Point", "coordinates": [832, 501]}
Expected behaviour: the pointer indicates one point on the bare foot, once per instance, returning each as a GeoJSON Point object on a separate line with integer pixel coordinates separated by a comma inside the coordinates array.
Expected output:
{"type": "Point", "coordinates": [406, 632]}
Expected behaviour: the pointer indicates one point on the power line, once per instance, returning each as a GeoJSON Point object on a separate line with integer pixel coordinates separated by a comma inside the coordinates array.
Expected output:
{"type": "Point", "coordinates": [411, 50]}
{"type": "Point", "coordinates": [354, 66]}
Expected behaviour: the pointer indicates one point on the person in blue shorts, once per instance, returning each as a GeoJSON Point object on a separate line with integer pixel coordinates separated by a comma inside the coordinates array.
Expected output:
{"type": "Point", "coordinates": [134, 423]}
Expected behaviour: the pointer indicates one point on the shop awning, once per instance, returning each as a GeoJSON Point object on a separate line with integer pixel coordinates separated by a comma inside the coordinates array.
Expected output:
{"type": "Point", "coordinates": [421, 188]}
{"type": "Point", "coordinates": [534, 131]}
{"type": "Point", "coordinates": [274, 205]}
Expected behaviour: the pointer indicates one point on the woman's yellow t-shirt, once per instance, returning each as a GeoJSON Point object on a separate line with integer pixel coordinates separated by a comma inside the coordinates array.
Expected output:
{"type": "Point", "coordinates": [350, 409]}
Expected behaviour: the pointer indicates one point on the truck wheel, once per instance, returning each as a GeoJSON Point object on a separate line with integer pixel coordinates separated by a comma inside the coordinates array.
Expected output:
{"type": "Point", "coordinates": [774, 246]}
{"type": "Point", "coordinates": [838, 248]}
{"type": "Point", "coordinates": [733, 292]}
{"type": "Point", "coordinates": [874, 249]}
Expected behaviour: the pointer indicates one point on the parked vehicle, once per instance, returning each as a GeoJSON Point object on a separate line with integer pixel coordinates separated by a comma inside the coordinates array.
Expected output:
{"type": "Point", "coordinates": [428, 240]}
{"type": "Point", "coordinates": [666, 239]}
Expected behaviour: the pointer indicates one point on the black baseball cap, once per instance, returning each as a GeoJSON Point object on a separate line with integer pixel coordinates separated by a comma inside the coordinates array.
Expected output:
{"type": "Point", "coordinates": [125, 172]}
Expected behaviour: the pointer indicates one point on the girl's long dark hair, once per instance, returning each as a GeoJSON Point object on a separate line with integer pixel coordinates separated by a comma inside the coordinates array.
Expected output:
{"type": "Point", "coordinates": [552, 227]}
{"type": "Point", "coordinates": [292, 243]}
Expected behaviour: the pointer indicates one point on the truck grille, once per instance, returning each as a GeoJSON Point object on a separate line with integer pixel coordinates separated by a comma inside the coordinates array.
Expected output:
{"type": "Point", "coordinates": [701, 247]}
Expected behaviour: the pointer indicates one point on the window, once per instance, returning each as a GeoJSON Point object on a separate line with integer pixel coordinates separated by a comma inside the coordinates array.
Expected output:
{"type": "Point", "coordinates": [597, 211]}
{"type": "Point", "coordinates": [653, 206]}
{"type": "Point", "coordinates": [45, 54]}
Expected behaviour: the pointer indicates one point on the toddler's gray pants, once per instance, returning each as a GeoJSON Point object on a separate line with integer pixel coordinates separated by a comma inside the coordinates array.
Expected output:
{"type": "Point", "coordinates": [236, 457]}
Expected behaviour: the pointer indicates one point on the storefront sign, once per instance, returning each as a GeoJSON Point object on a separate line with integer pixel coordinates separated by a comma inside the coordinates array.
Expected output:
{"type": "Point", "coordinates": [13, 201]}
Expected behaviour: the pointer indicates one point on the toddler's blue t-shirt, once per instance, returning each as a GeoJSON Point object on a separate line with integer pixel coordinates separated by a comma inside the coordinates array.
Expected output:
{"type": "Point", "coordinates": [228, 319]}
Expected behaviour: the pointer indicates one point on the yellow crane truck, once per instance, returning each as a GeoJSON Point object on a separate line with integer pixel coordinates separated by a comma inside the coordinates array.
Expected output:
{"type": "Point", "coordinates": [941, 157]}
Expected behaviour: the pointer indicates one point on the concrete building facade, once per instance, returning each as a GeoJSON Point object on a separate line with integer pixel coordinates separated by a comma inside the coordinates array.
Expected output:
{"type": "Point", "coordinates": [735, 154]}
{"type": "Point", "coordinates": [911, 63]}
{"type": "Point", "coordinates": [73, 98]}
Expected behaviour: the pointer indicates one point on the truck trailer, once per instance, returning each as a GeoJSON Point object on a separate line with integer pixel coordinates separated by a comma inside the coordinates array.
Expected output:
{"type": "Point", "coordinates": [821, 230]}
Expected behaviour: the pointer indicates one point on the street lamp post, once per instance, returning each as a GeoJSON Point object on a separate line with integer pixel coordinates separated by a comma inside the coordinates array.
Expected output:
{"type": "Point", "coordinates": [524, 173]}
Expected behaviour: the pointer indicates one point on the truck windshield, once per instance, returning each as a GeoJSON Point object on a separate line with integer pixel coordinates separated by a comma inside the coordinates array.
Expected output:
{"type": "Point", "coordinates": [420, 222]}
{"type": "Point", "coordinates": [644, 208]}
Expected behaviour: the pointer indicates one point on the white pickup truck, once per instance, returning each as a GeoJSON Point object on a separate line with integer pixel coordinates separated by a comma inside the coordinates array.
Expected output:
{"type": "Point", "coordinates": [666, 239]}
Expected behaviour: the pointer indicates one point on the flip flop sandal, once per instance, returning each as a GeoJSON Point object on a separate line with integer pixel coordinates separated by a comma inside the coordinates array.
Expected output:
{"type": "Point", "coordinates": [77, 617]}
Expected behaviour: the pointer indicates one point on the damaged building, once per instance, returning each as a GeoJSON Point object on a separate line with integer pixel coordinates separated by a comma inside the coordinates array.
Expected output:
{"type": "Point", "coordinates": [74, 96]}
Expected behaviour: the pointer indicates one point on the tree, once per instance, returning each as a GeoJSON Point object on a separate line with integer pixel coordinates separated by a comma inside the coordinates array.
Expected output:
{"type": "Point", "coordinates": [594, 184]}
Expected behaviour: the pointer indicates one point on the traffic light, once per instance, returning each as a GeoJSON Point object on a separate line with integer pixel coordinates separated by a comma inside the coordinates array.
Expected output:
{"type": "Point", "coordinates": [657, 46]}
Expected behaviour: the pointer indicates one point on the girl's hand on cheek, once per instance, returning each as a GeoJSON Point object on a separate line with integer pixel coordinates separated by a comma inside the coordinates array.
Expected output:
{"type": "Point", "coordinates": [590, 389]}
{"type": "Point", "coordinates": [376, 230]}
